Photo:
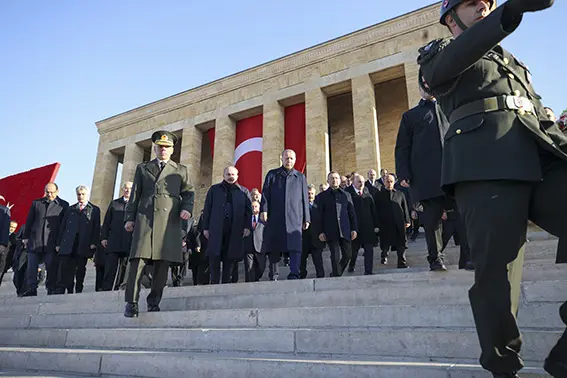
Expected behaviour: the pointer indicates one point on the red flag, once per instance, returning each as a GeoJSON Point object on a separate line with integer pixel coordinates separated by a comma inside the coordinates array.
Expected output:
{"type": "Point", "coordinates": [21, 189]}
{"type": "Point", "coordinates": [294, 137]}
{"type": "Point", "coordinates": [248, 152]}
{"type": "Point", "coordinates": [211, 135]}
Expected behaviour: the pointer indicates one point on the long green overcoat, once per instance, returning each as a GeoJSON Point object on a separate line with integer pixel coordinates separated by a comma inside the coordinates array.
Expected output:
{"type": "Point", "coordinates": [155, 204]}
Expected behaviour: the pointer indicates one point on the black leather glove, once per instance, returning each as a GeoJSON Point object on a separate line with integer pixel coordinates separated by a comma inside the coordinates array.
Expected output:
{"type": "Point", "coordinates": [518, 7]}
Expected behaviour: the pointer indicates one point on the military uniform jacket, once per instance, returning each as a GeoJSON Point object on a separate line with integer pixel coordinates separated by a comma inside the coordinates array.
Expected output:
{"type": "Point", "coordinates": [495, 145]}
{"type": "Point", "coordinates": [155, 204]}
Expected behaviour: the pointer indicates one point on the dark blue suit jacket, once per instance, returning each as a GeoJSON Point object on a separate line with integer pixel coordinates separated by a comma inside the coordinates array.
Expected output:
{"type": "Point", "coordinates": [4, 225]}
{"type": "Point", "coordinates": [43, 224]}
{"type": "Point", "coordinates": [80, 229]}
{"type": "Point", "coordinates": [336, 216]}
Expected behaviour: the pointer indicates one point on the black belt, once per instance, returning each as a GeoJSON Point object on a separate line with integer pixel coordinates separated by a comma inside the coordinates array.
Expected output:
{"type": "Point", "coordinates": [491, 104]}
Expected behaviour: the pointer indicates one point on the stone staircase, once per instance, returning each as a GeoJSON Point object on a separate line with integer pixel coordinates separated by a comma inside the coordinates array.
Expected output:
{"type": "Point", "coordinates": [396, 323]}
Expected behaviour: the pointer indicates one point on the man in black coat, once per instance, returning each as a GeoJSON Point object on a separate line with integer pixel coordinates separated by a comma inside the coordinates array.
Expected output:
{"type": "Point", "coordinates": [255, 254]}
{"type": "Point", "coordinates": [115, 240]}
{"type": "Point", "coordinates": [40, 238]}
{"type": "Point", "coordinates": [227, 219]}
{"type": "Point", "coordinates": [503, 159]}
{"type": "Point", "coordinates": [78, 239]}
{"type": "Point", "coordinates": [285, 209]}
{"type": "Point", "coordinates": [372, 184]}
{"type": "Point", "coordinates": [336, 222]}
{"type": "Point", "coordinates": [394, 219]}
{"type": "Point", "coordinates": [4, 238]}
{"type": "Point", "coordinates": [196, 253]}
{"type": "Point", "coordinates": [202, 270]}
{"type": "Point", "coordinates": [310, 243]}
{"type": "Point", "coordinates": [12, 244]}
{"type": "Point", "coordinates": [367, 220]}
{"type": "Point", "coordinates": [418, 164]}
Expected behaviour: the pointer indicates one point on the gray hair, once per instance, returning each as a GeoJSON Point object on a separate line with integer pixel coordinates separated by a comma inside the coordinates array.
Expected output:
{"type": "Point", "coordinates": [227, 168]}
{"type": "Point", "coordinates": [311, 186]}
{"type": "Point", "coordinates": [288, 150]}
{"type": "Point", "coordinates": [82, 188]}
{"type": "Point", "coordinates": [127, 182]}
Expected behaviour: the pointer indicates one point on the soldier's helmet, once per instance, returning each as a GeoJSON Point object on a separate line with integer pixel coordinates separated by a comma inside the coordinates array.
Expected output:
{"type": "Point", "coordinates": [449, 5]}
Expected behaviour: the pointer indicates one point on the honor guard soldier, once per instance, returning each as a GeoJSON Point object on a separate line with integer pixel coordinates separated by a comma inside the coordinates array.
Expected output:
{"type": "Point", "coordinates": [161, 198]}
{"type": "Point", "coordinates": [504, 161]}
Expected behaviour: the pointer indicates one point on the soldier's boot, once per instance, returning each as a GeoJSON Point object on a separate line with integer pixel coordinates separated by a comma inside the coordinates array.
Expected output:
{"type": "Point", "coordinates": [131, 310]}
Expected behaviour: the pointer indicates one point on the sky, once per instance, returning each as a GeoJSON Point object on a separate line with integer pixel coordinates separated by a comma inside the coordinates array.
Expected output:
{"type": "Point", "coordinates": [67, 64]}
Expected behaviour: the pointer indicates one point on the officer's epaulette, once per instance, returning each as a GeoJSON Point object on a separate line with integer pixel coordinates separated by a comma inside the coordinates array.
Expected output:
{"type": "Point", "coordinates": [431, 49]}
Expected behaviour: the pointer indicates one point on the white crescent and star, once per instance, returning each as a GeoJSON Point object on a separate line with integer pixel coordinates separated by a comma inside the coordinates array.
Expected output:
{"type": "Point", "coordinates": [249, 145]}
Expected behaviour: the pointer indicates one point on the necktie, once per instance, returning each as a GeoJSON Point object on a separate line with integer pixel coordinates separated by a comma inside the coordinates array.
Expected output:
{"type": "Point", "coordinates": [254, 222]}
{"type": "Point", "coordinates": [81, 206]}
{"type": "Point", "coordinates": [161, 165]}
{"type": "Point", "coordinates": [360, 193]}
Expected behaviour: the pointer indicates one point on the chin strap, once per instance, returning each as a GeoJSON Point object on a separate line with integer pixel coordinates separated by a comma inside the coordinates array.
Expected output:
{"type": "Point", "coordinates": [457, 19]}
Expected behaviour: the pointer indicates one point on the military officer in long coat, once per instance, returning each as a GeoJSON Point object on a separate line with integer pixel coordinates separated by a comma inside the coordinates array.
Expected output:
{"type": "Point", "coordinates": [226, 222]}
{"type": "Point", "coordinates": [161, 198]}
{"type": "Point", "coordinates": [503, 159]}
{"type": "Point", "coordinates": [285, 210]}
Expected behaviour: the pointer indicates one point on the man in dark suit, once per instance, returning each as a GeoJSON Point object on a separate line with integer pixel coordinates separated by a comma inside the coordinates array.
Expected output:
{"type": "Point", "coordinates": [227, 219]}
{"type": "Point", "coordinates": [78, 240]}
{"type": "Point", "coordinates": [310, 243]}
{"type": "Point", "coordinates": [194, 249]}
{"type": "Point", "coordinates": [418, 163]}
{"type": "Point", "coordinates": [336, 222]}
{"type": "Point", "coordinates": [255, 260]}
{"type": "Point", "coordinates": [40, 238]}
{"type": "Point", "coordinates": [116, 240]}
{"type": "Point", "coordinates": [4, 238]}
{"type": "Point", "coordinates": [367, 220]}
{"type": "Point", "coordinates": [161, 199]}
{"type": "Point", "coordinates": [372, 184]}
{"type": "Point", "coordinates": [284, 201]}
{"type": "Point", "coordinates": [503, 159]}
{"type": "Point", "coordinates": [12, 244]}
{"type": "Point", "coordinates": [394, 219]}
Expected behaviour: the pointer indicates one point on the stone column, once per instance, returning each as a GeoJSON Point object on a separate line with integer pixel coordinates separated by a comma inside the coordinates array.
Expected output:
{"type": "Point", "coordinates": [133, 155]}
{"type": "Point", "coordinates": [365, 125]}
{"type": "Point", "coordinates": [412, 72]}
{"type": "Point", "coordinates": [152, 152]}
{"type": "Point", "coordinates": [317, 136]}
{"type": "Point", "coordinates": [273, 136]}
{"type": "Point", "coordinates": [104, 178]}
{"type": "Point", "coordinates": [191, 146]}
{"type": "Point", "coordinates": [225, 138]}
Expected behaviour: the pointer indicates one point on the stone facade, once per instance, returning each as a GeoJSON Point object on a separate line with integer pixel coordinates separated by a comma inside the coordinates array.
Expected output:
{"type": "Point", "coordinates": [344, 70]}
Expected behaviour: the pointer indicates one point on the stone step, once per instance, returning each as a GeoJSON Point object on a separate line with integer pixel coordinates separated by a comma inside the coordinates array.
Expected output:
{"type": "Point", "coordinates": [422, 276]}
{"type": "Point", "coordinates": [36, 374]}
{"type": "Point", "coordinates": [532, 315]}
{"type": "Point", "coordinates": [137, 363]}
{"type": "Point", "coordinates": [404, 293]}
{"type": "Point", "coordinates": [384, 341]}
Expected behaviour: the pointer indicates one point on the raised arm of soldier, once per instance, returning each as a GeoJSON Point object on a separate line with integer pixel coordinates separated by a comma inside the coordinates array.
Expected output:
{"type": "Point", "coordinates": [443, 60]}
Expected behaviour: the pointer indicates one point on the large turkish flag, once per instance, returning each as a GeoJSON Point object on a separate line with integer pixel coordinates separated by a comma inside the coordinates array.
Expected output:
{"type": "Point", "coordinates": [21, 189]}
{"type": "Point", "coordinates": [295, 134]}
{"type": "Point", "coordinates": [248, 152]}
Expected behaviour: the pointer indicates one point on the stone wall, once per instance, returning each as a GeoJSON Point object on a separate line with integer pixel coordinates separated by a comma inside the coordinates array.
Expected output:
{"type": "Point", "coordinates": [341, 127]}
{"type": "Point", "coordinates": [391, 103]}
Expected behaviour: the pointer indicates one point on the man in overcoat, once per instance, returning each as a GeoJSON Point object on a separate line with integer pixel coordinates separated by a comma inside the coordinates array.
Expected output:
{"type": "Point", "coordinates": [336, 222]}
{"type": "Point", "coordinates": [226, 221]}
{"type": "Point", "coordinates": [255, 254]}
{"type": "Point", "coordinates": [40, 238]}
{"type": "Point", "coordinates": [418, 164]}
{"type": "Point", "coordinates": [503, 159]}
{"type": "Point", "coordinates": [115, 239]}
{"type": "Point", "coordinates": [367, 220]}
{"type": "Point", "coordinates": [310, 243]}
{"type": "Point", "coordinates": [285, 210]}
{"type": "Point", "coordinates": [394, 219]}
{"type": "Point", "coordinates": [161, 198]}
{"type": "Point", "coordinates": [4, 238]}
{"type": "Point", "coordinates": [79, 237]}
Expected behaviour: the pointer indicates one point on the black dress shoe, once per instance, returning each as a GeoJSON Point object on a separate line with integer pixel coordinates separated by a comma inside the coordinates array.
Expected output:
{"type": "Point", "coordinates": [131, 310]}
{"type": "Point", "coordinates": [30, 293]}
{"type": "Point", "coordinates": [438, 267]}
{"type": "Point", "coordinates": [351, 269]}
{"type": "Point", "coordinates": [402, 265]}
{"type": "Point", "coordinates": [153, 308]}
{"type": "Point", "coordinates": [505, 375]}
{"type": "Point", "coordinates": [384, 260]}
{"type": "Point", "coordinates": [557, 369]}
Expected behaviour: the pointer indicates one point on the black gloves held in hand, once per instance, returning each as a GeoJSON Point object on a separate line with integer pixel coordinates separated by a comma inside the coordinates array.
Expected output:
{"type": "Point", "coordinates": [518, 7]}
